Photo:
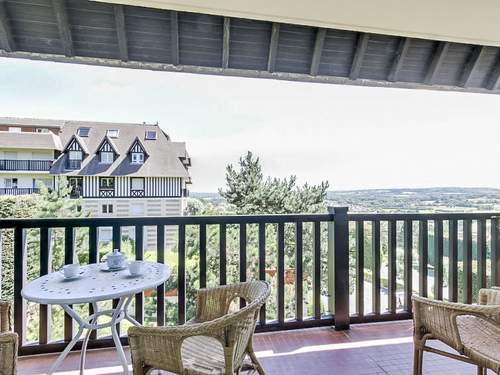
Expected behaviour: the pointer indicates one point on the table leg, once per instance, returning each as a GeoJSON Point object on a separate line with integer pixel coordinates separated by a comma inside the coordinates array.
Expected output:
{"type": "Point", "coordinates": [68, 348]}
{"type": "Point", "coordinates": [83, 352]}
{"type": "Point", "coordinates": [116, 337]}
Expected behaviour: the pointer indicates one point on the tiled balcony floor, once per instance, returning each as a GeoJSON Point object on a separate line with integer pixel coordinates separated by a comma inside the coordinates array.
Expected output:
{"type": "Point", "coordinates": [383, 348]}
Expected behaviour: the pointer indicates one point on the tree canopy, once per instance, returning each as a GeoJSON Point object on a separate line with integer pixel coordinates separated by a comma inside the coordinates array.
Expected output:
{"type": "Point", "coordinates": [251, 193]}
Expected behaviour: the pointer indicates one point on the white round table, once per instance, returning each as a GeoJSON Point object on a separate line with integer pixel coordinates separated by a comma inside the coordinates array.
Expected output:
{"type": "Point", "coordinates": [94, 285]}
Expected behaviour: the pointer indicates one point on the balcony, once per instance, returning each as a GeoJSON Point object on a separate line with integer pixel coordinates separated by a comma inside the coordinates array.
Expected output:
{"type": "Point", "coordinates": [334, 269]}
{"type": "Point", "coordinates": [25, 165]}
{"type": "Point", "coordinates": [19, 191]}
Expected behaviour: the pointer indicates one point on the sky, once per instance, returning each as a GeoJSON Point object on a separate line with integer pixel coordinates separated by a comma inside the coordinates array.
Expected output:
{"type": "Point", "coordinates": [353, 137]}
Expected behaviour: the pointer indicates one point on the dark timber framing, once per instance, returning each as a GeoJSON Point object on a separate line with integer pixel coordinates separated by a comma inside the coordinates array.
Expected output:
{"type": "Point", "coordinates": [471, 65]}
{"type": "Point", "coordinates": [166, 40]}
{"type": "Point", "coordinates": [273, 47]}
{"type": "Point", "coordinates": [437, 61]}
{"type": "Point", "coordinates": [357, 60]}
{"type": "Point", "coordinates": [121, 31]}
{"type": "Point", "coordinates": [174, 37]}
{"type": "Point", "coordinates": [318, 49]}
{"type": "Point", "coordinates": [397, 63]}
{"type": "Point", "coordinates": [6, 38]}
{"type": "Point", "coordinates": [63, 26]}
{"type": "Point", "coordinates": [225, 43]}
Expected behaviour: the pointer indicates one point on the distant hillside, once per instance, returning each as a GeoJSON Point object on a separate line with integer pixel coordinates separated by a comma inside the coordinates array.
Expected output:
{"type": "Point", "coordinates": [418, 200]}
{"type": "Point", "coordinates": [447, 199]}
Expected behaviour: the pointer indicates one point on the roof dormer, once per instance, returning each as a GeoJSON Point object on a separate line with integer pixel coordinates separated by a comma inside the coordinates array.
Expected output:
{"type": "Point", "coordinates": [76, 150]}
{"type": "Point", "coordinates": [107, 151]}
{"type": "Point", "coordinates": [137, 152]}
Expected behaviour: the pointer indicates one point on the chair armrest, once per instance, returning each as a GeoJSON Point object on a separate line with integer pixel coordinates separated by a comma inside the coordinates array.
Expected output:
{"type": "Point", "coordinates": [438, 319]}
{"type": "Point", "coordinates": [4, 316]}
{"type": "Point", "coordinates": [8, 353]}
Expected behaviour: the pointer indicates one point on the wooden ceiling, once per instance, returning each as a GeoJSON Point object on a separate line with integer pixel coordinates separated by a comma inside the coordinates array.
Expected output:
{"type": "Point", "coordinates": [80, 31]}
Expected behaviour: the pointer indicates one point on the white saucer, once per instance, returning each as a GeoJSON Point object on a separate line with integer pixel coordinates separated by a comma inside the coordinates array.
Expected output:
{"type": "Point", "coordinates": [104, 268]}
{"type": "Point", "coordinates": [79, 275]}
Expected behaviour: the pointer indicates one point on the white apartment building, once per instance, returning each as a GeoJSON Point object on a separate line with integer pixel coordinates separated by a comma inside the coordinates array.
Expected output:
{"type": "Point", "coordinates": [118, 169]}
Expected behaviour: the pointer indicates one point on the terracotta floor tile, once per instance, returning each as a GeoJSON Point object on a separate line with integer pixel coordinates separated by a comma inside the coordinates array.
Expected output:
{"type": "Point", "coordinates": [369, 349]}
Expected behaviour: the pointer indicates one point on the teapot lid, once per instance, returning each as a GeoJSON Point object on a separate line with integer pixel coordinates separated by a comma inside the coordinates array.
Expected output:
{"type": "Point", "coordinates": [116, 252]}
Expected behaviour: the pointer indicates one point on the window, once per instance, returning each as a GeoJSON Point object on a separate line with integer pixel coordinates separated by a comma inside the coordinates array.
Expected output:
{"type": "Point", "coordinates": [137, 183]}
{"type": "Point", "coordinates": [113, 133]}
{"type": "Point", "coordinates": [107, 157]}
{"type": "Point", "coordinates": [14, 129]}
{"type": "Point", "coordinates": [83, 132]}
{"type": "Point", "coordinates": [10, 155]}
{"type": "Point", "coordinates": [150, 134]}
{"type": "Point", "coordinates": [38, 182]}
{"type": "Point", "coordinates": [137, 157]}
{"type": "Point", "coordinates": [42, 130]}
{"type": "Point", "coordinates": [11, 183]}
{"type": "Point", "coordinates": [107, 183]}
{"type": "Point", "coordinates": [137, 209]}
{"type": "Point", "coordinates": [107, 208]}
{"type": "Point", "coordinates": [75, 155]}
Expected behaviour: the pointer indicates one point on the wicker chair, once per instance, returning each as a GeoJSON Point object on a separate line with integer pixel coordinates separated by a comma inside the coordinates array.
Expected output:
{"type": "Point", "coordinates": [8, 342]}
{"type": "Point", "coordinates": [472, 330]}
{"type": "Point", "coordinates": [216, 342]}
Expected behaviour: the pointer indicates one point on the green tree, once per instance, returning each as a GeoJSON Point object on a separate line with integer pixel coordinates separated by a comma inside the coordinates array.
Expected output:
{"type": "Point", "coordinates": [57, 202]}
{"type": "Point", "coordinates": [251, 193]}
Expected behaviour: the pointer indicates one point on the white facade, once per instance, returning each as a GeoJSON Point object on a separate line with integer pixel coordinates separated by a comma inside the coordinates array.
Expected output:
{"type": "Point", "coordinates": [19, 169]}
{"type": "Point", "coordinates": [136, 207]}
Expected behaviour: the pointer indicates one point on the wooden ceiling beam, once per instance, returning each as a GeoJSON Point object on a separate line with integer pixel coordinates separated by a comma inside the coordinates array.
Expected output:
{"type": "Point", "coordinates": [357, 60]}
{"type": "Point", "coordinates": [63, 26]}
{"type": "Point", "coordinates": [273, 47]}
{"type": "Point", "coordinates": [318, 49]}
{"type": "Point", "coordinates": [121, 31]}
{"type": "Point", "coordinates": [226, 40]}
{"type": "Point", "coordinates": [397, 63]}
{"type": "Point", "coordinates": [436, 62]}
{"type": "Point", "coordinates": [471, 65]}
{"type": "Point", "coordinates": [6, 36]}
{"type": "Point", "coordinates": [493, 80]}
{"type": "Point", "coordinates": [174, 37]}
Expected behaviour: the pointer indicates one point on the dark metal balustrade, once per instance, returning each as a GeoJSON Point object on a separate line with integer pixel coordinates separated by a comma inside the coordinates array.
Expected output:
{"type": "Point", "coordinates": [18, 191]}
{"type": "Point", "coordinates": [351, 237]}
{"type": "Point", "coordinates": [25, 165]}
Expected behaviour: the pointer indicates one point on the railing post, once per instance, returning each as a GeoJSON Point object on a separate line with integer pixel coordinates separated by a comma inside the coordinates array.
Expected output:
{"type": "Point", "coordinates": [338, 262]}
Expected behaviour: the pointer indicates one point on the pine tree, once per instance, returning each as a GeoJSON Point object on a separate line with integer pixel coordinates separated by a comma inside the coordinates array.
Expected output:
{"type": "Point", "coordinates": [250, 193]}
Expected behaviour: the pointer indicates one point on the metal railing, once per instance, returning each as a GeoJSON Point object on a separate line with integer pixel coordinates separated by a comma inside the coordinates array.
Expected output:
{"type": "Point", "coordinates": [18, 191]}
{"type": "Point", "coordinates": [25, 165]}
{"type": "Point", "coordinates": [337, 253]}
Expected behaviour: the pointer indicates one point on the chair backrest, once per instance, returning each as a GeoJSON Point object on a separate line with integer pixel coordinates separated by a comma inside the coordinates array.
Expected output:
{"type": "Point", "coordinates": [433, 317]}
{"type": "Point", "coordinates": [489, 296]}
{"type": "Point", "coordinates": [215, 302]}
{"type": "Point", "coordinates": [5, 316]}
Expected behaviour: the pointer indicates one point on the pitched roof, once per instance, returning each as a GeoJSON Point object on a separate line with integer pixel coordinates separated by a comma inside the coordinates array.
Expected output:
{"type": "Point", "coordinates": [32, 122]}
{"type": "Point", "coordinates": [79, 141]}
{"type": "Point", "coordinates": [41, 141]}
{"type": "Point", "coordinates": [164, 155]}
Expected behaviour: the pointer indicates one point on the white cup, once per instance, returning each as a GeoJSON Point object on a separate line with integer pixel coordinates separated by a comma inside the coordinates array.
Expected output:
{"type": "Point", "coordinates": [71, 270]}
{"type": "Point", "coordinates": [136, 268]}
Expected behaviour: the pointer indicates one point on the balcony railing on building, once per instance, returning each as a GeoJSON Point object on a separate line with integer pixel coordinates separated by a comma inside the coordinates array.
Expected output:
{"type": "Point", "coordinates": [18, 191]}
{"type": "Point", "coordinates": [325, 269]}
{"type": "Point", "coordinates": [25, 165]}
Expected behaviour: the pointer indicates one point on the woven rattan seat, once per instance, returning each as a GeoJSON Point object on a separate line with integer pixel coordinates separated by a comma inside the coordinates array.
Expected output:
{"type": "Point", "coordinates": [481, 340]}
{"type": "Point", "coordinates": [215, 342]}
{"type": "Point", "coordinates": [472, 330]}
{"type": "Point", "coordinates": [8, 342]}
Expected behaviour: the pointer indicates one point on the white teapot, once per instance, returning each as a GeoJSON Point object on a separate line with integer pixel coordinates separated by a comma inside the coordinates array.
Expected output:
{"type": "Point", "coordinates": [116, 259]}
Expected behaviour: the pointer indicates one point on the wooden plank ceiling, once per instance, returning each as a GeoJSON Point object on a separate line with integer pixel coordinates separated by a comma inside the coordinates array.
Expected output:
{"type": "Point", "coordinates": [80, 31]}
